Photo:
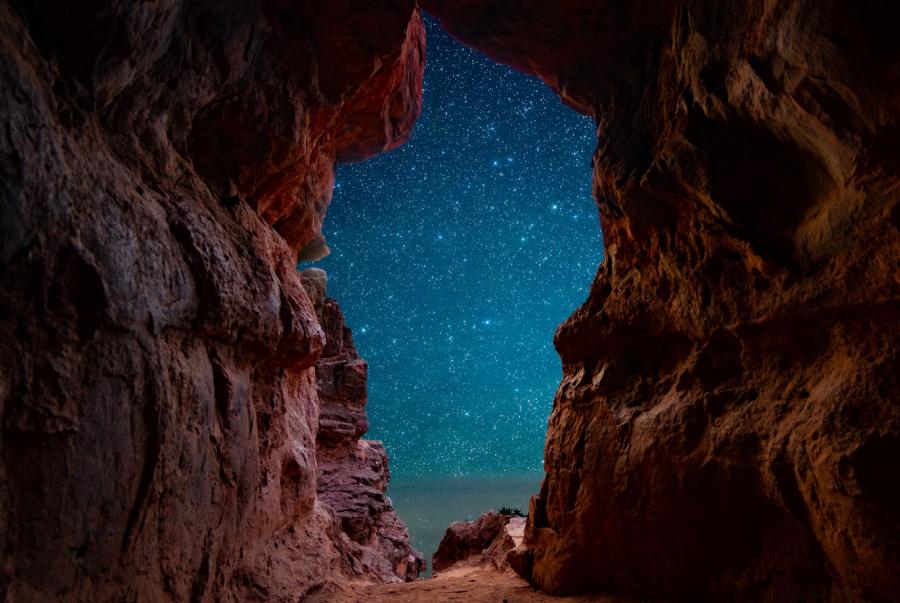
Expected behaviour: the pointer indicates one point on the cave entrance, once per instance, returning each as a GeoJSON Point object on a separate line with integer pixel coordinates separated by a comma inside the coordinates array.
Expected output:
{"type": "Point", "coordinates": [454, 259]}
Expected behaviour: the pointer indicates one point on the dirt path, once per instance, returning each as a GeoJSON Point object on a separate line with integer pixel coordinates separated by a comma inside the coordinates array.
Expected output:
{"type": "Point", "coordinates": [472, 585]}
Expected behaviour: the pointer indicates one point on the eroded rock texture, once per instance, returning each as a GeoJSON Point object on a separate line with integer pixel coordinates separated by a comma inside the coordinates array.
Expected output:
{"type": "Point", "coordinates": [728, 423]}
{"type": "Point", "coordinates": [484, 542]}
{"type": "Point", "coordinates": [161, 164]}
{"type": "Point", "coordinates": [353, 474]}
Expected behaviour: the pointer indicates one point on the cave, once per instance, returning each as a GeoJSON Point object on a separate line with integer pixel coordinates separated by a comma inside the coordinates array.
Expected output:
{"type": "Point", "coordinates": [173, 389]}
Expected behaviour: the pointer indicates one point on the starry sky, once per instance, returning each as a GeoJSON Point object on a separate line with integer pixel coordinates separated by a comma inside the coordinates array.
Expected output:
{"type": "Point", "coordinates": [454, 259]}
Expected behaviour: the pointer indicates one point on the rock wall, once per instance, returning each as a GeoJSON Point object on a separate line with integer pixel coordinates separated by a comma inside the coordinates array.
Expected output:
{"type": "Point", "coordinates": [161, 164]}
{"type": "Point", "coordinates": [728, 422]}
{"type": "Point", "coordinates": [353, 474]}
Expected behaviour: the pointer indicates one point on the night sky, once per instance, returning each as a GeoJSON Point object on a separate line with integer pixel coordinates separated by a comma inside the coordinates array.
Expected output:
{"type": "Point", "coordinates": [454, 259]}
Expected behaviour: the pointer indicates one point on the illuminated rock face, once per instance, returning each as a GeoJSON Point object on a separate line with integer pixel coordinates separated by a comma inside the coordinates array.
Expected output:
{"type": "Point", "coordinates": [728, 424]}
{"type": "Point", "coordinates": [160, 168]}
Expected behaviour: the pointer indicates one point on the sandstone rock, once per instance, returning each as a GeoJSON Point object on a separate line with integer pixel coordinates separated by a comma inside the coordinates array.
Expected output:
{"type": "Point", "coordinates": [353, 474]}
{"type": "Point", "coordinates": [485, 541]}
{"type": "Point", "coordinates": [728, 408]}
{"type": "Point", "coordinates": [315, 283]}
{"type": "Point", "coordinates": [728, 411]}
{"type": "Point", "coordinates": [160, 165]}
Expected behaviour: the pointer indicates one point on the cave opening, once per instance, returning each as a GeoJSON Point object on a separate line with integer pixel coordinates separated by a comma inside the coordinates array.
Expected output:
{"type": "Point", "coordinates": [182, 410]}
{"type": "Point", "coordinates": [455, 258]}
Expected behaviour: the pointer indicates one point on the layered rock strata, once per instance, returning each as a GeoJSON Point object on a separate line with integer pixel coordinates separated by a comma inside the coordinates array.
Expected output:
{"type": "Point", "coordinates": [353, 473]}
{"type": "Point", "coordinates": [728, 423]}
{"type": "Point", "coordinates": [162, 166]}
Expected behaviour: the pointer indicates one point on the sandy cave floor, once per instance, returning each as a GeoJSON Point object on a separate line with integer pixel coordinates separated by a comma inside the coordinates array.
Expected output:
{"type": "Point", "coordinates": [470, 584]}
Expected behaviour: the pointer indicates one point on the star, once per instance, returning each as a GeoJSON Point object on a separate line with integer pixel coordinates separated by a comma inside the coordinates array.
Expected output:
{"type": "Point", "coordinates": [447, 263]}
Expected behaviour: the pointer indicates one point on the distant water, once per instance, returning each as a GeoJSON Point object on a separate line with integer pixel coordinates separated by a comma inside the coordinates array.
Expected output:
{"type": "Point", "coordinates": [428, 504]}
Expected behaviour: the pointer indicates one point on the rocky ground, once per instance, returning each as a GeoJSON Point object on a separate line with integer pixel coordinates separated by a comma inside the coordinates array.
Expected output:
{"type": "Point", "coordinates": [470, 584]}
{"type": "Point", "coordinates": [470, 565]}
{"type": "Point", "coordinates": [466, 584]}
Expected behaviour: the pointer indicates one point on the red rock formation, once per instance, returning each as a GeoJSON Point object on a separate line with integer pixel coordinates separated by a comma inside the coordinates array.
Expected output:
{"type": "Point", "coordinates": [160, 165]}
{"type": "Point", "coordinates": [727, 421]}
{"type": "Point", "coordinates": [352, 473]}
{"type": "Point", "coordinates": [485, 541]}
{"type": "Point", "coordinates": [727, 426]}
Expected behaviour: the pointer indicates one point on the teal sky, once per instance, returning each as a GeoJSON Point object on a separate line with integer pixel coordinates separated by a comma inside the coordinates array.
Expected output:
{"type": "Point", "coordinates": [454, 259]}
